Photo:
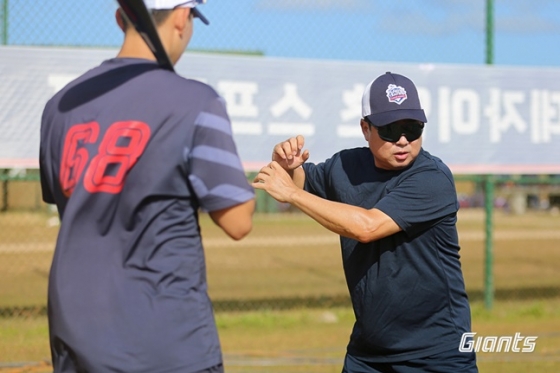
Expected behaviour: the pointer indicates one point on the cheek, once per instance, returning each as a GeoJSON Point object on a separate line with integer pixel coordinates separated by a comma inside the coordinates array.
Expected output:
{"type": "Point", "coordinates": [416, 145]}
{"type": "Point", "coordinates": [379, 147]}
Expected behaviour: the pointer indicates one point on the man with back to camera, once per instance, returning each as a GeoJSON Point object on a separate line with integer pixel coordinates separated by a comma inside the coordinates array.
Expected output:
{"type": "Point", "coordinates": [394, 206]}
{"type": "Point", "coordinates": [129, 153]}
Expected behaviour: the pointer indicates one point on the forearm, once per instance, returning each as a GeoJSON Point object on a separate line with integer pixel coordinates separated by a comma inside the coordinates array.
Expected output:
{"type": "Point", "coordinates": [346, 220]}
{"type": "Point", "coordinates": [235, 221]}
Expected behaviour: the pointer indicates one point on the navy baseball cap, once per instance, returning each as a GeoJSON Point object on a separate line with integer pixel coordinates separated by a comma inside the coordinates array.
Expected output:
{"type": "Point", "coordinates": [389, 98]}
{"type": "Point", "coordinates": [172, 4]}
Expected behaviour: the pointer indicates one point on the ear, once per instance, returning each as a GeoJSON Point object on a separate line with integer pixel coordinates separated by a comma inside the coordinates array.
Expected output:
{"type": "Point", "coordinates": [366, 130]}
{"type": "Point", "coordinates": [181, 18]}
{"type": "Point", "coordinates": [120, 21]}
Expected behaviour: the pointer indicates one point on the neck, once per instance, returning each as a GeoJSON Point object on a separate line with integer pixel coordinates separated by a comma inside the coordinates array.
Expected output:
{"type": "Point", "coordinates": [135, 47]}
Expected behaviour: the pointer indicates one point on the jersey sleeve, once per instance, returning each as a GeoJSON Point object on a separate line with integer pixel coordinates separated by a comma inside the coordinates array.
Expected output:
{"type": "Point", "coordinates": [316, 178]}
{"type": "Point", "coordinates": [420, 200]}
{"type": "Point", "coordinates": [46, 193]}
{"type": "Point", "coordinates": [44, 167]}
{"type": "Point", "coordinates": [215, 169]}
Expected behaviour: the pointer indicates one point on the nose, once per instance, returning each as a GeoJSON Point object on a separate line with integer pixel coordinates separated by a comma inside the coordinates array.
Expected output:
{"type": "Point", "coordinates": [402, 140]}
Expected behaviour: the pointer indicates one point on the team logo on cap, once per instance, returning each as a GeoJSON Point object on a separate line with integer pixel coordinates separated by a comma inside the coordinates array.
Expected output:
{"type": "Point", "coordinates": [396, 94]}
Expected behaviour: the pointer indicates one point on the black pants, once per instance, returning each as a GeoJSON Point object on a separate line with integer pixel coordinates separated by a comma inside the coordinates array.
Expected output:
{"type": "Point", "coordinates": [452, 361]}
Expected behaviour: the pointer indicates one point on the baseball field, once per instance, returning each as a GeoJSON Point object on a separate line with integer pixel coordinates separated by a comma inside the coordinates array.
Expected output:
{"type": "Point", "coordinates": [280, 296]}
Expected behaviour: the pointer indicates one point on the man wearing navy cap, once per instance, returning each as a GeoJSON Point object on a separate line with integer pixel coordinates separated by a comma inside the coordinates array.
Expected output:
{"type": "Point", "coordinates": [130, 152]}
{"type": "Point", "coordinates": [394, 206]}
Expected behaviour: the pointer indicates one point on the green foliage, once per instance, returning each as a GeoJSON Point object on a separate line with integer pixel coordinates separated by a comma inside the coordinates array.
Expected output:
{"type": "Point", "coordinates": [517, 312]}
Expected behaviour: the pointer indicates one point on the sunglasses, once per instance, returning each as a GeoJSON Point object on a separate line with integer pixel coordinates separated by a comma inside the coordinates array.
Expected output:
{"type": "Point", "coordinates": [411, 130]}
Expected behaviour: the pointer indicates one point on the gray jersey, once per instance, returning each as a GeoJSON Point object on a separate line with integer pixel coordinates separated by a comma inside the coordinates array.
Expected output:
{"type": "Point", "coordinates": [129, 153]}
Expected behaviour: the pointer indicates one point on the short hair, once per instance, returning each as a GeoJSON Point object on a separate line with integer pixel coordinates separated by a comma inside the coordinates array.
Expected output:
{"type": "Point", "coordinates": [159, 16]}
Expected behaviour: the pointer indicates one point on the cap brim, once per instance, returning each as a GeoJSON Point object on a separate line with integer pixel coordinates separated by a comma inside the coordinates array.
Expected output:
{"type": "Point", "coordinates": [388, 117]}
{"type": "Point", "coordinates": [197, 14]}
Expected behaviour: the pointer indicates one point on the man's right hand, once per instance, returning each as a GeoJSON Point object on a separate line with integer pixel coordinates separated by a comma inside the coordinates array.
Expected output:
{"type": "Point", "coordinates": [289, 153]}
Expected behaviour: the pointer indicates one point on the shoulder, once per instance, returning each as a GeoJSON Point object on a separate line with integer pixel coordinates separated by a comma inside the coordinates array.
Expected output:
{"type": "Point", "coordinates": [185, 89]}
{"type": "Point", "coordinates": [354, 156]}
{"type": "Point", "coordinates": [432, 160]}
{"type": "Point", "coordinates": [132, 73]}
{"type": "Point", "coordinates": [191, 85]}
{"type": "Point", "coordinates": [344, 168]}
{"type": "Point", "coordinates": [428, 175]}
{"type": "Point", "coordinates": [186, 96]}
{"type": "Point", "coordinates": [429, 164]}
{"type": "Point", "coordinates": [136, 77]}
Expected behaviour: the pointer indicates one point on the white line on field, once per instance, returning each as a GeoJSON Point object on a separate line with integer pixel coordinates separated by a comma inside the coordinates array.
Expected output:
{"type": "Point", "coordinates": [326, 239]}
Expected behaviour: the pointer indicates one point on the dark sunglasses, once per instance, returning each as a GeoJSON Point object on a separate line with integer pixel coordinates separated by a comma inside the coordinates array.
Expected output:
{"type": "Point", "coordinates": [412, 130]}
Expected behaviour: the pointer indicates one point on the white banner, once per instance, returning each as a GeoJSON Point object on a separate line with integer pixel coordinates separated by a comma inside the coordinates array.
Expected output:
{"type": "Point", "coordinates": [481, 119]}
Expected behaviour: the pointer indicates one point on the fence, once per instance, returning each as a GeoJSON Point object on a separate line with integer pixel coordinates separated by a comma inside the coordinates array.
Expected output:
{"type": "Point", "coordinates": [473, 32]}
{"type": "Point", "coordinates": [29, 229]}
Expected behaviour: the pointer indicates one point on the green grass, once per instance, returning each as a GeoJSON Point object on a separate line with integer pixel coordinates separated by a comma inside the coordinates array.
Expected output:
{"type": "Point", "coordinates": [315, 340]}
{"type": "Point", "coordinates": [24, 339]}
{"type": "Point", "coordinates": [290, 255]}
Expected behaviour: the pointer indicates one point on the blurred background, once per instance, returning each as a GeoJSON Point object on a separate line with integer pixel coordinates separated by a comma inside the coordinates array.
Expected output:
{"type": "Point", "coordinates": [427, 31]}
{"type": "Point", "coordinates": [280, 297]}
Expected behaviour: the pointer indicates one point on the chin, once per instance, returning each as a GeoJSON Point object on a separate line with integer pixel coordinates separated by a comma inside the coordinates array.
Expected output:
{"type": "Point", "coordinates": [404, 164]}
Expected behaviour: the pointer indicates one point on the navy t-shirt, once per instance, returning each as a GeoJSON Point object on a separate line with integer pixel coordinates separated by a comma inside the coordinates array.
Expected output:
{"type": "Point", "coordinates": [407, 289]}
{"type": "Point", "coordinates": [129, 153]}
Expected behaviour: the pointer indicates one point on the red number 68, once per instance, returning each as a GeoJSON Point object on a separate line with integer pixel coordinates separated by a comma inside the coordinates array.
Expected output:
{"type": "Point", "coordinates": [120, 148]}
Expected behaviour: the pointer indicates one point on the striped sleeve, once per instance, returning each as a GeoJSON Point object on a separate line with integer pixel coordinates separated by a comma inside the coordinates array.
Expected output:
{"type": "Point", "coordinates": [216, 172]}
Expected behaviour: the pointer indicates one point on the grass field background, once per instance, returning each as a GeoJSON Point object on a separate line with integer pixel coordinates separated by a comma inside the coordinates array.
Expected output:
{"type": "Point", "coordinates": [287, 265]}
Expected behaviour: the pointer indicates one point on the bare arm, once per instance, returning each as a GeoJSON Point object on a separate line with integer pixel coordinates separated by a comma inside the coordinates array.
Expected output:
{"type": "Point", "coordinates": [349, 221]}
{"type": "Point", "coordinates": [235, 221]}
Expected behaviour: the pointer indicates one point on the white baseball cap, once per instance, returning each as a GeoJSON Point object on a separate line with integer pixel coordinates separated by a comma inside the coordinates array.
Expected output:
{"type": "Point", "coordinates": [172, 4]}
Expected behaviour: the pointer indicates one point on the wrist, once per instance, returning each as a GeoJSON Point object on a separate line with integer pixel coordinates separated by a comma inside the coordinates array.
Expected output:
{"type": "Point", "coordinates": [294, 195]}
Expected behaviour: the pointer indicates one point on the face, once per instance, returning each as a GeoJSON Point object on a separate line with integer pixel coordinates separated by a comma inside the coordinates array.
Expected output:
{"type": "Point", "coordinates": [390, 155]}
